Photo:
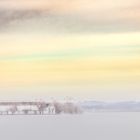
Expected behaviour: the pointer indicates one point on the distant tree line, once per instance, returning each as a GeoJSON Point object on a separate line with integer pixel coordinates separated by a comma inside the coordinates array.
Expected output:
{"type": "Point", "coordinates": [68, 107]}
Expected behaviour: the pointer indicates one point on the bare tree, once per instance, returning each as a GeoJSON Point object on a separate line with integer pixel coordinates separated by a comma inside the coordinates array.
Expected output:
{"type": "Point", "coordinates": [58, 107]}
{"type": "Point", "coordinates": [67, 107]}
{"type": "Point", "coordinates": [41, 107]}
{"type": "Point", "coordinates": [13, 109]}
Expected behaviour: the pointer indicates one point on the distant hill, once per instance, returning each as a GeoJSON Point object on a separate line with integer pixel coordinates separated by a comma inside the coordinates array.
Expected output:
{"type": "Point", "coordinates": [111, 106]}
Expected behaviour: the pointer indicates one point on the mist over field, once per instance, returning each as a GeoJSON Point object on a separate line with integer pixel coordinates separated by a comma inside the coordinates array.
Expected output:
{"type": "Point", "coordinates": [93, 126]}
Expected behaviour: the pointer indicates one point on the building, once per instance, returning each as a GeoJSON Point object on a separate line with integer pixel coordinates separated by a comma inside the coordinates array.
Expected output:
{"type": "Point", "coordinates": [27, 108]}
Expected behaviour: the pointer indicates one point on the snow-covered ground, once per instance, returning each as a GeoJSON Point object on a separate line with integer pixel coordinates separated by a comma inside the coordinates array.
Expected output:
{"type": "Point", "coordinates": [93, 126]}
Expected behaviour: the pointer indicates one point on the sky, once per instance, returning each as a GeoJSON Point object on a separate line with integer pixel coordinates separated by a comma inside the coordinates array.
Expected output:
{"type": "Point", "coordinates": [85, 49]}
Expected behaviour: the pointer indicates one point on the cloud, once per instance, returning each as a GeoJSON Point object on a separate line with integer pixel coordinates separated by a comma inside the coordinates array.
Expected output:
{"type": "Point", "coordinates": [78, 17]}
{"type": "Point", "coordinates": [8, 16]}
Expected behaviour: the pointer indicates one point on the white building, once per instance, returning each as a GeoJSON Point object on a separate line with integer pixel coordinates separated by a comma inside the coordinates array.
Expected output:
{"type": "Point", "coordinates": [27, 109]}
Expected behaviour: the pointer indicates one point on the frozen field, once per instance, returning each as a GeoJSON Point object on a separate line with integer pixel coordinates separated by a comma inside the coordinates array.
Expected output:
{"type": "Point", "coordinates": [95, 126]}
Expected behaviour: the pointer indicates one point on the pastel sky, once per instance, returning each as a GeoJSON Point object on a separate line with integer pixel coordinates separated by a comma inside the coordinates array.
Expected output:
{"type": "Point", "coordinates": [78, 48]}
